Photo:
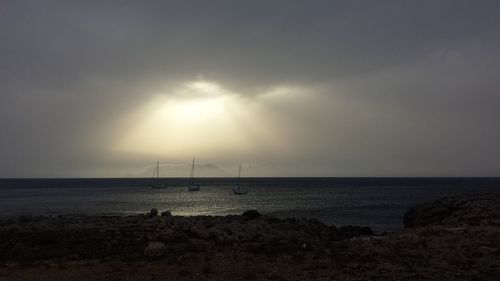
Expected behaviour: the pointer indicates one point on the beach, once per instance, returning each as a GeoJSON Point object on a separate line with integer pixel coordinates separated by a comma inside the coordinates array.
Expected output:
{"type": "Point", "coordinates": [447, 239]}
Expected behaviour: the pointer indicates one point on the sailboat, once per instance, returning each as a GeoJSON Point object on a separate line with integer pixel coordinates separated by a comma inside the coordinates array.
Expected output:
{"type": "Point", "coordinates": [191, 185]}
{"type": "Point", "coordinates": [155, 182]}
{"type": "Point", "coordinates": [237, 189]}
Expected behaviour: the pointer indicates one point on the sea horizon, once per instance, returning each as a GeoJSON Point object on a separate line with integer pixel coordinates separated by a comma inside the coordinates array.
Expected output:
{"type": "Point", "coordinates": [376, 202]}
{"type": "Point", "coordinates": [221, 177]}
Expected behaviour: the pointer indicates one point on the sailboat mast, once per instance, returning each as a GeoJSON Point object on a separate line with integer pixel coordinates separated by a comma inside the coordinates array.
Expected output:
{"type": "Point", "coordinates": [192, 173]}
{"type": "Point", "coordinates": [158, 170]}
{"type": "Point", "coordinates": [154, 172]}
{"type": "Point", "coordinates": [239, 177]}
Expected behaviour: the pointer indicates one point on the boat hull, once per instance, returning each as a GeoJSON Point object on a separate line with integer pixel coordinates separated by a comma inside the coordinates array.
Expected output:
{"type": "Point", "coordinates": [239, 191]}
{"type": "Point", "coordinates": [159, 186]}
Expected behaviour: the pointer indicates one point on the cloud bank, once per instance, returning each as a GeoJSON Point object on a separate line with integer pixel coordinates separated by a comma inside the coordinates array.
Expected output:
{"type": "Point", "coordinates": [323, 88]}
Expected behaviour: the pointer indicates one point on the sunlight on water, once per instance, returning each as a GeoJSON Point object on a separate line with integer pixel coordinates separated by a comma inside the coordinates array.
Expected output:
{"type": "Point", "coordinates": [378, 203]}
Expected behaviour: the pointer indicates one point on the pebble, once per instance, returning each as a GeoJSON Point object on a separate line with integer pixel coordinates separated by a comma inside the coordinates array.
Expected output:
{"type": "Point", "coordinates": [155, 250]}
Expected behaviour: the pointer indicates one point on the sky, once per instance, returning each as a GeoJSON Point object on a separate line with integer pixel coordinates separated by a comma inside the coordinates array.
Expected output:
{"type": "Point", "coordinates": [285, 88]}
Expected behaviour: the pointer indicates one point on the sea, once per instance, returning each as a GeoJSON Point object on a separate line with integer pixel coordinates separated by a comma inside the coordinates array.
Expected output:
{"type": "Point", "coordinates": [379, 203]}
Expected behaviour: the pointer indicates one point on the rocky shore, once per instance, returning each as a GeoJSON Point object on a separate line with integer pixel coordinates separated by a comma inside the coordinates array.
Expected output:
{"type": "Point", "coordinates": [448, 239]}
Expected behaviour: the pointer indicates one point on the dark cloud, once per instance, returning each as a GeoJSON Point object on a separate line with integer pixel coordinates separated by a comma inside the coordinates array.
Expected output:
{"type": "Point", "coordinates": [396, 87]}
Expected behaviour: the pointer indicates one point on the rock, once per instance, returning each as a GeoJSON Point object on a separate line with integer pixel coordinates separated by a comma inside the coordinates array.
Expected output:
{"type": "Point", "coordinates": [430, 213]}
{"type": "Point", "coordinates": [153, 212]}
{"type": "Point", "coordinates": [155, 250]}
{"type": "Point", "coordinates": [314, 225]}
{"type": "Point", "coordinates": [365, 231]}
{"type": "Point", "coordinates": [409, 218]}
{"type": "Point", "coordinates": [25, 218]}
{"type": "Point", "coordinates": [215, 233]}
{"type": "Point", "coordinates": [251, 214]}
{"type": "Point", "coordinates": [353, 231]}
{"type": "Point", "coordinates": [199, 232]}
{"type": "Point", "coordinates": [482, 209]}
{"type": "Point", "coordinates": [166, 214]}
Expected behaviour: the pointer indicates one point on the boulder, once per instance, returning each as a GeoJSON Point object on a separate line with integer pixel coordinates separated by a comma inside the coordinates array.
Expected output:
{"type": "Point", "coordinates": [482, 209]}
{"type": "Point", "coordinates": [430, 213]}
{"type": "Point", "coordinates": [166, 214]}
{"type": "Point", "coordinates": [199, 232]}
{"type": "Point", "coordinates": [155, 250]}
{"type": "Point", "coordinates": [153, 212]}
{"type": "Point", "coordinates": [251, 214]}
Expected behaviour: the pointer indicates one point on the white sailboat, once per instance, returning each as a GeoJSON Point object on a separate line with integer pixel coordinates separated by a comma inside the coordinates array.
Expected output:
{"type": "Point", "coordinates": [237, 189]}
{"type": "Point", "coordinates": [191, 185]}
{"type": "Point", "coordinates": [155, 181]}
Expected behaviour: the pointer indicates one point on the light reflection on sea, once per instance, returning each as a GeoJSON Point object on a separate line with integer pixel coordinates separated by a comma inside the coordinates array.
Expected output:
{"type": "Point", "coordinates": [376, 202]}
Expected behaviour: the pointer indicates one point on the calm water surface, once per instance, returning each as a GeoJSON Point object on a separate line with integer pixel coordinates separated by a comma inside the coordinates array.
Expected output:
{"type": "Point", "coordinates": [376, 202]}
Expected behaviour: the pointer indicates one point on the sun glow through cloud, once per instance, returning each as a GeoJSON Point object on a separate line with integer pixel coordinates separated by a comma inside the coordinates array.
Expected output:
{"type": "Point", "coordinates": [199, 118]}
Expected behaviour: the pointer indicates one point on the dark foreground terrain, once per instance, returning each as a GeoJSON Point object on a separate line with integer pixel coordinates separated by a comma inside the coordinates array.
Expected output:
{"type": "Point", "coordinates": [448, 239]}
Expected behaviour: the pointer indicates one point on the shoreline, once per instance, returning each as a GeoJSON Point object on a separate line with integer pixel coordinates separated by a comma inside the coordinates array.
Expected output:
{"type": "Point", "coordinates": [446, 239]}
{"type": "Point", "coordinates": [376, 228]}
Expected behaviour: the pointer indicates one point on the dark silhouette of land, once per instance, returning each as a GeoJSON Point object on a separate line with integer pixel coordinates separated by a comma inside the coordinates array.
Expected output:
{"type": "Point", "coordinates": [447, 239]}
